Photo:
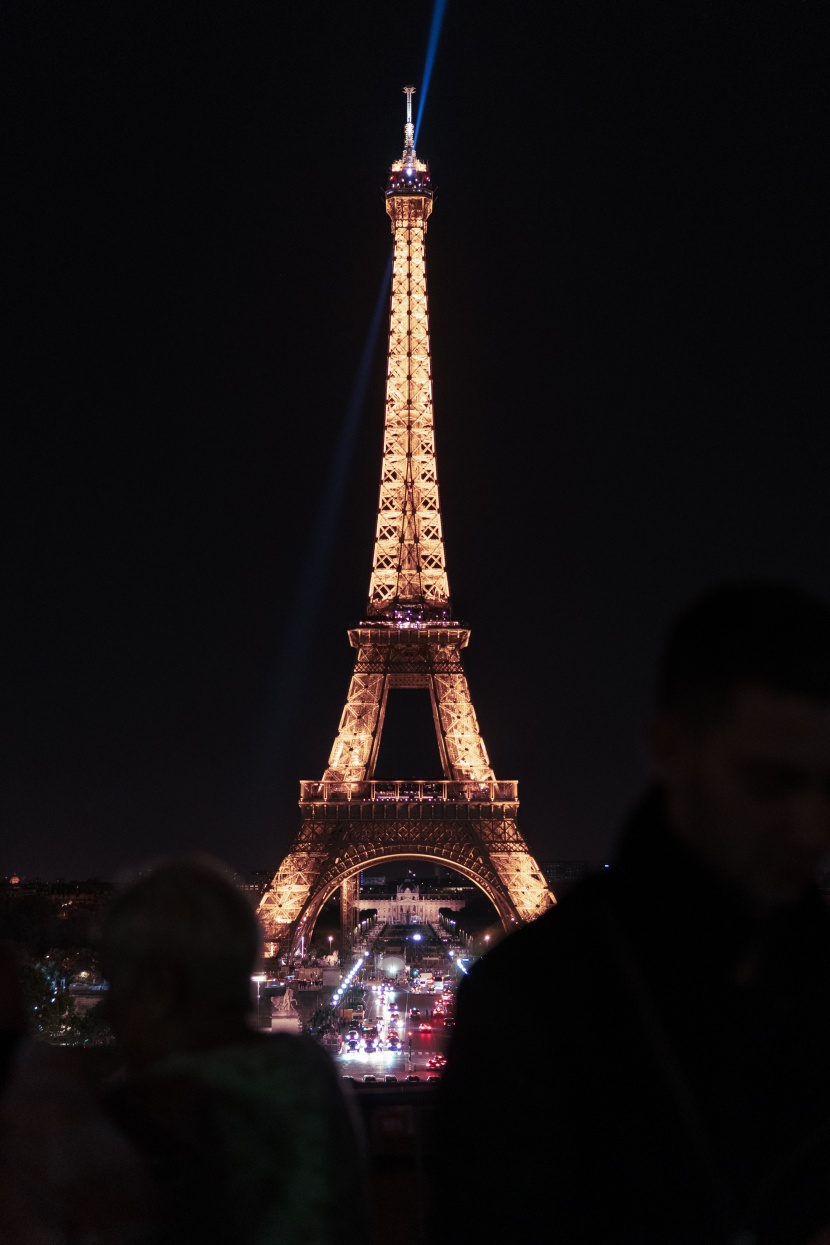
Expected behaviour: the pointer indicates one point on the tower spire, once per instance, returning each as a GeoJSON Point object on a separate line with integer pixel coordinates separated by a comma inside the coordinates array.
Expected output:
{"type": "Point", "coordinates": [409, 578]}
{"type": "Point", "coordinates": [409, 128]}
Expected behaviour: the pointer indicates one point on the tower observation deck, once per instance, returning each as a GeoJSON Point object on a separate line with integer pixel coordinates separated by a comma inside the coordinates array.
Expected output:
{"type": "Point", "coordinates": [408, 638]}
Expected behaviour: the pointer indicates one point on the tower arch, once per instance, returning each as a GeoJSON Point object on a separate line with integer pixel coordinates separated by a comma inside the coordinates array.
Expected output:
{"type": "Point", "coordinates": [345, 870]}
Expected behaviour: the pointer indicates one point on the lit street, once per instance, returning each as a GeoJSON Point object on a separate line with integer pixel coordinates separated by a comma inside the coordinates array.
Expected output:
{"type": "Point", "coordinates": [395, 1015]}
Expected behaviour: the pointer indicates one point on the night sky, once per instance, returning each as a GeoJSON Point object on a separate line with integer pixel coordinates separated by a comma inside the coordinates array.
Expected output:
{"type": "Point", "coordinates": [629, 334]}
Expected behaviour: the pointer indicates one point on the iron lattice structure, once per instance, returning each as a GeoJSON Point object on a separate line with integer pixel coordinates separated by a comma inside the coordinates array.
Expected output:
{"type": "Point", "coordinates": [408, 639]}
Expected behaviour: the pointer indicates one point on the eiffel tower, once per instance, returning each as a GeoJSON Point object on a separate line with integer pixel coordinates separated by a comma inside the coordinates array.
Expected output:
{"type": "Point", "coordinates": [408, 638]}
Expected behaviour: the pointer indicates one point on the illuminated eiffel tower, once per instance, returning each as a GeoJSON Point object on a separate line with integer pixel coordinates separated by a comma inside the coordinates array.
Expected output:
{"type": "Point", "coordinates": [407, 639]}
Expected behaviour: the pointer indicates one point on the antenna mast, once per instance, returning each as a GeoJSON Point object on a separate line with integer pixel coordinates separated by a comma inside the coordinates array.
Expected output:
{"type": "Point", "coordinates": [409, 128]}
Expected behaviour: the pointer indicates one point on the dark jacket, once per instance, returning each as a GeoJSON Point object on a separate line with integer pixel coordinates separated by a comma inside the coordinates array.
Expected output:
{"type": "Point", "coordinates": [648, 1062]}
{"type": "Point", "coordinates": [248, 1144]}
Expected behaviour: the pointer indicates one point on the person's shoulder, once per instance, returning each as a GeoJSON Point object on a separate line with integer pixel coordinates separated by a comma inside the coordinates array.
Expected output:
{"type": "Point", "coordinates": [273, 1058]}
{"type": "Point", "coordinates": [295, 1054]}
{"type": "Point", "coordinates": [296, 1048]}
{"type": "Point", "coordinates": [549, 935]}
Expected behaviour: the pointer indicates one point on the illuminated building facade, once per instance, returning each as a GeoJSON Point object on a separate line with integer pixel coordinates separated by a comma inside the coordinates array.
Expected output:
{"type": "Point", "coordinates": [408, 638]}
{"type": "Point", "coordinates": [412, 905]}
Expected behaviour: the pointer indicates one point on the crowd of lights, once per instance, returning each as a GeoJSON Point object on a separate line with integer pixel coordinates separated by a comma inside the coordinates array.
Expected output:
{"type": "Point", "coordinates": [387, 996]}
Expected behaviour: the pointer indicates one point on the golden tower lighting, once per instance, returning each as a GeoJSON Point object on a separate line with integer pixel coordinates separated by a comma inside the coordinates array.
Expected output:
{"type": "Point", "coordinates": [407, 639]}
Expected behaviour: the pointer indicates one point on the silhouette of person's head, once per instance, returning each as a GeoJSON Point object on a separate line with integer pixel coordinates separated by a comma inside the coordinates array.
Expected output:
{"type": "Point", "coordinates": [741, 738]}
{"type": "Point", "coordinates": [179, 945]}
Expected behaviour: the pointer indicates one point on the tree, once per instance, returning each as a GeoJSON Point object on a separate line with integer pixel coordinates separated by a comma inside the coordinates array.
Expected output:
{"type": "Point", "coordinates": [49, 1007]}
{"type": "Point", "coordinates": [52, 1011]}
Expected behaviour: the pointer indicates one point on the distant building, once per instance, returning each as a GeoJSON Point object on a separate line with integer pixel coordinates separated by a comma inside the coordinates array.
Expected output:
{"type": "Point", "coordinates": [92, 893]}
{"type": "Point", "coordinates": [561, 875]}
{"type": "Point", "coordinates": [413, 903]}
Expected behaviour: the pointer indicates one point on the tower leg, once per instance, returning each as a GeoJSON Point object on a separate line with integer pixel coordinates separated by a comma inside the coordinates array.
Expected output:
{"type": "Point", "coordinates": [349, 900]}
{"type": "Point", "coordinates": [459, 739]}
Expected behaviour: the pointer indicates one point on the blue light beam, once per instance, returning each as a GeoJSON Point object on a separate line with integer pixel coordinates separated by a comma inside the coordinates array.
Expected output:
{"type": "Point", "coordinates": [311, 583]}
{"type": "Point", "coordinates": [290, 674]}
{"type": "Point", "coordinates": [432, 47]}
{"type": "Point", "coordinates": [329, 513]}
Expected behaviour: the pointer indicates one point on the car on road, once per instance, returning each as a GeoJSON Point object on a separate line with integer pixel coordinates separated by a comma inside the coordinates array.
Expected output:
{"type": "Point", "coordinates": [369, 1078]}
{"type": "Point", "coordinates": [390, 1079]}
{"type": "Point", "coordinates": [353, 1044]}
{"type": "Point", "coordinates": [393, 1044]}
{"type": "Point", "coordinates": [425, 1025]}
{"type": "Point", "coordinates": [415, 1013]}
{"type": "Point", "coordinates": [436, 1061]}
{"type": "Point", "coordinates": [413, 1077]}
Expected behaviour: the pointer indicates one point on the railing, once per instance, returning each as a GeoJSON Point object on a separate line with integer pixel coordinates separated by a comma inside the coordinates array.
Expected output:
{"type": "Point", "coordinates": [488, 791]}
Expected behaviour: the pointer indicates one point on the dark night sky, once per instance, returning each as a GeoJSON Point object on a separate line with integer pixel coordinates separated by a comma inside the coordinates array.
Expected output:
{"type": "Point", "coordinates": [629, 327]}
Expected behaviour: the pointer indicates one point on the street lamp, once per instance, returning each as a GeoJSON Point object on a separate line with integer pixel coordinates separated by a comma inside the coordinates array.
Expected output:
{"type": "Point", "coordinates": [258, 978]}
{"type": "Point", "coordinates": [331, 940]}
